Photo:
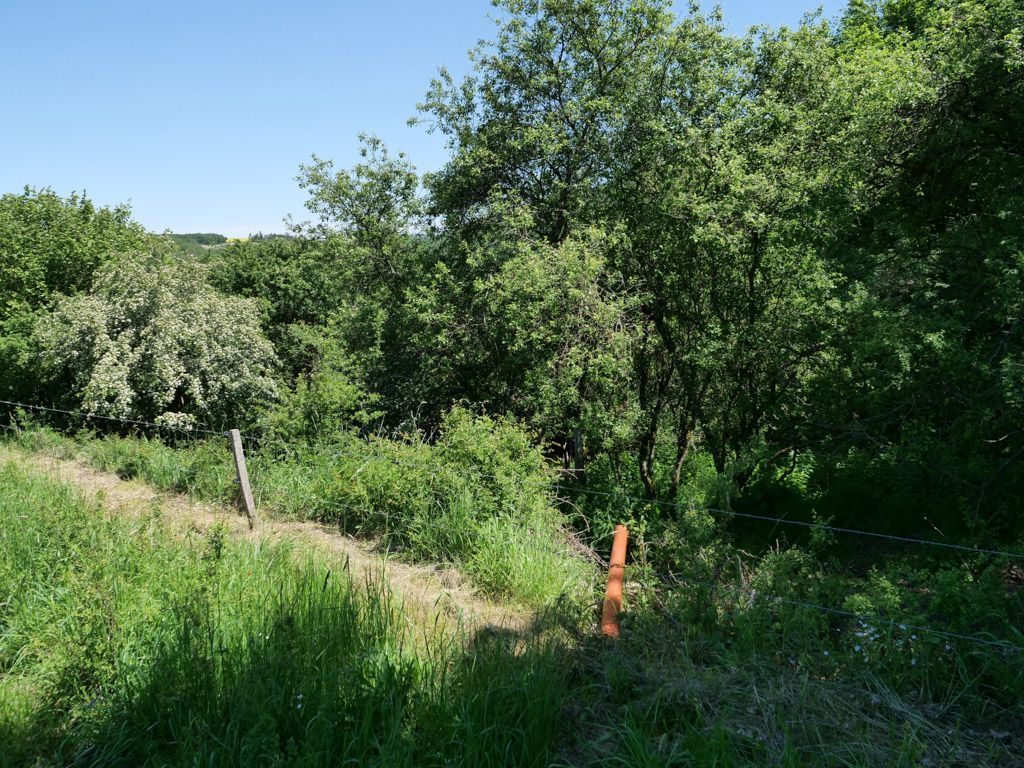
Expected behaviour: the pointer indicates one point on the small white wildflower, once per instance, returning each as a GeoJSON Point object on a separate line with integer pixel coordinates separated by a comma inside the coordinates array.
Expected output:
{"type": "Point", "coordinates": [825, 652]}
{"type": "Point", "coordinates": [903, 626]}
{"type": "Point", "coordinates": [913, 637]}
{"type": "Point", "coordinates": [913, 662]}
{"type": "Point", "coordinates": [856, 648]}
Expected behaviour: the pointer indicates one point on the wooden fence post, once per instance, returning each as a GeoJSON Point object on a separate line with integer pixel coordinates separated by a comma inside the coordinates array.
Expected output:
{"type": "Point", "coordinates": [243, 477]}
{"type": "Point", "coordinates": [613, 596]}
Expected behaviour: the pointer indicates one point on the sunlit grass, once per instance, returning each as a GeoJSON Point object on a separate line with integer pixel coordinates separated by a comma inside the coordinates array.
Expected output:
{"type": "Point", "coordinates": [122, 643]}
{"type": "Point", "coordinates": [509, 544]}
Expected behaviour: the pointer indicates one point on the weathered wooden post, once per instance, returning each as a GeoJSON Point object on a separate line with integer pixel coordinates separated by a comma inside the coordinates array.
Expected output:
{"type": "Point", "coordinates": [613, 596]}
{"type": "Point", "coordinates": [243, 477]}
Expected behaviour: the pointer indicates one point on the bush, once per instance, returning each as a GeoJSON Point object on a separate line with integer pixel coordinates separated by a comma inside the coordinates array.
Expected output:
{"type": "Point", "coordinates": [479, 497]}
{"type": "Point", "coordinates": [49, 245]}
{"type": "Point", "coordinates": [154, 341]}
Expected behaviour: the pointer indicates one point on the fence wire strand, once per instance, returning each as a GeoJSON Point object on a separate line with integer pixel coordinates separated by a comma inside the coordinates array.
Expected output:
{"type": "Point", "coordinates": [559, 486]}
{"type": "Point", "coordinates": [620, 497]}
{"type": "Point", "coordinates": [800, 523]}
{"type": "Point", "coordinates": [120, 420]}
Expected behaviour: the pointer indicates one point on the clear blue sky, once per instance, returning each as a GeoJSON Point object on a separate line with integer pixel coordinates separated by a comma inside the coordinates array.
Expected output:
{"type": "Point", "coordinates": [199, 113]}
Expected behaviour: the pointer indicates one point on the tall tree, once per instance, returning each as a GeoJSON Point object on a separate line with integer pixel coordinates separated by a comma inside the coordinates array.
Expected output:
{"type": "Point", "coordinates": [665, 134]}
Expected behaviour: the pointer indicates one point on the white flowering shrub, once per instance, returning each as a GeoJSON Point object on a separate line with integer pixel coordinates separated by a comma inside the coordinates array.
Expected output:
{"type": "Point", "coordinates": [154, 341]}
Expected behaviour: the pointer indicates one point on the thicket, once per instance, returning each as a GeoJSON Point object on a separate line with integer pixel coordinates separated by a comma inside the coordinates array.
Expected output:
{"type": "Point", "coordinates": [177, 645]}
{"type": "Point", "coordinates": [790, 261]}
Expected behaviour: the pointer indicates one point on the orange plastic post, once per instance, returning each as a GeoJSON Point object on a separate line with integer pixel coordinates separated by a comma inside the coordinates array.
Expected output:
{"type": "Point", "coordinates": [613, 596]}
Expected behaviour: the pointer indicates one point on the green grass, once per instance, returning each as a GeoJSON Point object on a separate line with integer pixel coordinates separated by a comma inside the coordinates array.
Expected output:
{"type": "Point", "coordinates": [486, 509]}
{"type": "Point", "coordinates": [697, 678]}
{"type": "Point", "coordinates": [122, 643]}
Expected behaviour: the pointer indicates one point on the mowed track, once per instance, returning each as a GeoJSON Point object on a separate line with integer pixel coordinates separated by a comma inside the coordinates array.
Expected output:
{"type": "Point", "coordinates": [429, 597]}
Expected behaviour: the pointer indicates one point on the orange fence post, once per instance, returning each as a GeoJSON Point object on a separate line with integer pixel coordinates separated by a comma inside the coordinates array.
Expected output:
{"type": "Point", "coordinates": [613, 596]}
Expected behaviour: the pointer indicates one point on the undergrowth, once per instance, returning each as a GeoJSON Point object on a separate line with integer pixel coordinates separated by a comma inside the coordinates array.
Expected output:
{"type": "Point", "coordinates": [478, 498]}
{"type": "Point", "coordinates": [725, 674]}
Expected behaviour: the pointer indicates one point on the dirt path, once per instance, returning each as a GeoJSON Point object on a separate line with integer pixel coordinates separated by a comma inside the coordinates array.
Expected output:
{"type": "Point", "coordinates": [430, 597]}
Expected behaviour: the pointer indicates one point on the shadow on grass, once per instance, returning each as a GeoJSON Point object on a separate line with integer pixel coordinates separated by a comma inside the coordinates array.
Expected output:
{"type": "Point", "coordinates": [314, 673]}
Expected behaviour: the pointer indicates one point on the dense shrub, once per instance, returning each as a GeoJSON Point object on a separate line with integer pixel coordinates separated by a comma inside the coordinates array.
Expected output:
{"type": "Point", "coordinates": [479, 496]}
{"type": "Point", "coordinates": [49, 245]}
{"type": "Point", "coordinates": [153, 341]}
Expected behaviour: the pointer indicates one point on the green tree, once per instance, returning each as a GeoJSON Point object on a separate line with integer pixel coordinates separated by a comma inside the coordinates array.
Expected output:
{"type": "Point", "coordinates": [920, 391]}
{"type": "Point", "coordinates": [669, 134]}
{"type": "Point", "coordinates": [49, 245]}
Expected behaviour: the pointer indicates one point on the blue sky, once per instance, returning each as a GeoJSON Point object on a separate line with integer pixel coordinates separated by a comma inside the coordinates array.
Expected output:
{"type": "Point", "coordinates": [199, 113]}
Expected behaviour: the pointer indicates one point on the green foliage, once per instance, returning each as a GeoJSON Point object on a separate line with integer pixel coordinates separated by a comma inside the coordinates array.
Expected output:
{"type": "Point", "coordinates": [338, 287]}
{"type": "Point", "coordinates": [917, 393]}
{"type": "Point", "coordinates": [478, 498]}
{"type": "Point", "coordinates": [207, 238]}
{"type": "Point", "coordinates": [613, 115]}
{"type": "Point", "coordinates": [153, 341]}
{"type": "Point", "coordinates": [296, 280]}
{"type": "Point", "coordinates": [558, 339]}
{"type": "Point", "coordinates": [205, 470]}
{"type": "Point", "coordinates": [777, 274]}
{"type": "Point", "coordinates": [126, 644]}
{"type": "Point", "coordinates": [327, 401]}
{"type": "Point", "coordinates": [49, 245]}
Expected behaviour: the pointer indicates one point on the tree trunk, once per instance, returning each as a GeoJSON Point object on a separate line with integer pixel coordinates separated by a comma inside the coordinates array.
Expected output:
{"type": "Point", "coordinates": [577, 449]}
{"type": "Point", "coordinates": [683, 441]}
{"type": "Point", "coordinates": [648, 448]}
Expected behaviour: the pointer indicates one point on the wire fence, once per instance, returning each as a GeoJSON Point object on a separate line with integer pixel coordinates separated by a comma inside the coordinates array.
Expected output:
{"type": "Point", "coordinates": [366, 454]}
{"type": "Point", "coordinates": [185, 430]}
{"type": "Point", "coordinates": [774, 599]}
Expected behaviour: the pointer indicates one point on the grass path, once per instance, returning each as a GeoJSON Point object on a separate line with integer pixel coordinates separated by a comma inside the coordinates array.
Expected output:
{"type": "Point", "coordinates": [430, 596]}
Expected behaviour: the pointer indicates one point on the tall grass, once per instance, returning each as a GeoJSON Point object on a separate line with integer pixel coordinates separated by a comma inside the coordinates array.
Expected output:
{"type": "Point", "coordinates": [701, 676]}
{"type": "Point", "coordinates": [122, 643]}
{"type": "Point", "coordinates": [479, 498]}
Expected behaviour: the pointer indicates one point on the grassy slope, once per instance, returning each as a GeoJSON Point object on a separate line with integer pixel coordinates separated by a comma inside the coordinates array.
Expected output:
{"type": "Point", "coordinates": [124, 644]}
{"type": "Point", "coordinates": [509, 540]}
{"type": "Point", "coordinates": [721, 682]}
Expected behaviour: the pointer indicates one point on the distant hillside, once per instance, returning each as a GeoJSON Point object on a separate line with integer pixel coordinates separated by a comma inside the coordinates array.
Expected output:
{"type": "Point", "coordinates": [197, 242]}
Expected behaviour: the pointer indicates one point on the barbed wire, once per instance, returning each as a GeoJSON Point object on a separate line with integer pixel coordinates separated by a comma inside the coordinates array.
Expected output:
{"type": "Point", "coordinates": [620, 497]}
{"type": "Point", "coordinates": [133, 422]}
{"type": "Point", "coordinates": [690, 507]}
{"type": "Point", "coordinates": [901, 625]}
{"type": "Point", "coordinates": [695, 508]}
{"type": "Point", "coordinates": [325, 503]}
{"type": "Point", "coordinates": [800, 523]}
